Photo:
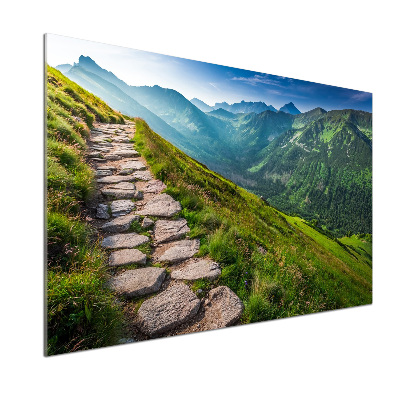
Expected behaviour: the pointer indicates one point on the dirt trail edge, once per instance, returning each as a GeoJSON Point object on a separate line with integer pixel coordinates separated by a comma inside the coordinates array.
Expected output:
{"type": "Point", "coordinates": [151, 259]}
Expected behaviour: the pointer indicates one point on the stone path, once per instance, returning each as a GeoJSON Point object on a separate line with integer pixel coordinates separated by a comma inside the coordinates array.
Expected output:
{"type": "Point", "coordinates": [151, 258]}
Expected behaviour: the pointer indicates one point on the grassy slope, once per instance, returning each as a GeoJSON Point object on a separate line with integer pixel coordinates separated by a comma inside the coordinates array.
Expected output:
{"type": "Point", "coordinates": [360, 246]}
{"type": "Point", "coordinates": [81, 314]}
{"type": "Point", "coordinates": [278, 265]}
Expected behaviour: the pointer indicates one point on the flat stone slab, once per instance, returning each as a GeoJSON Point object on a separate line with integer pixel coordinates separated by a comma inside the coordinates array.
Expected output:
{"type": "Point", "coordinates": [121, 207]}
{"type": "Point", "coordinates": [222, 308]}
{"type": "Point", "coordinates": [95, 154]}
{"type": "Point", "coordinates": [107, 167]}
{"type": "Point", "coordinates": [99, 159]}
{"type": "Point", "coordinates": [100, 139]}
{"type": "Point", "coordinates": [147, 222]}
{"type": "Point", "coordinates": [135, 165]}
{"type": "Point", "coordinates": [103, 172]}
{"type": "Point", "coordinates": [154, 186]}
{"type": "Point", "coordinates": [167, 310]}
{"type": "Point", "coordinates": [104, 145]}
{"type": "Point", "coordinates": [197, 269]}
{"type": "Point", "coordinates": [162, 205]}
{"type": "Point", "coordinates": [125, 171]}
{"type": "Point", "coordinates": [124, 186]}
{"type": "Point", "coordinates": [112, 157]}
{"type": "Point", "coordinates": [127, 153]}
{"type": "Point", "coordinates": [166, 230]}
{"type": "Point", "coordinates": [124, 241]}
{"type": "Point", "coordinates": [142, 175]}
{"type": "Point", "coordinates": [102, 211]}
{"type": "Point", "coordinates": [120, 224]}
{"type": "Point", "coordinates": [177, 251]}
{"type": "Point", "coordinates": [138, 282]}
{"type": "Point", "coordinates": [100, 148]}
{"type": "Point", "coordinates": [119, 258]}
{"type": "Point", "coordinates": [116, 179]}
{"type": "Point", "coordinates": [119, 193]}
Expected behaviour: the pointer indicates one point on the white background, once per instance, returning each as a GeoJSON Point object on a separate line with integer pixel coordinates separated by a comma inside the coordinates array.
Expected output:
{"type": "Point", "coordinates": [348, 354]}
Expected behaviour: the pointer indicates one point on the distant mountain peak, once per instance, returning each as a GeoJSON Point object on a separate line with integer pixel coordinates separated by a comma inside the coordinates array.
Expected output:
{"type": "Point", "coordinates": [245, 107]}
{"type": "Point", "coordinates": [64, 68]}
{"type": "Point", "coordinates": [290, 108]}
{"type": "Point", "coordinates": [201, 105]}
{"type": "Point", "coordinates": [86, 59]}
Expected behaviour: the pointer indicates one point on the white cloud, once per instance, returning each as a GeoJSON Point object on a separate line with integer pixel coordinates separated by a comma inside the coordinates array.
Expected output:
{"type": "Point", "coordinates": [261, 79]}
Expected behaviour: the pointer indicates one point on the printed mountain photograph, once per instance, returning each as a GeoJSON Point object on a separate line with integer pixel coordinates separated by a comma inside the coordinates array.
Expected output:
{"type": "Point", "coordinates": [184, 196]}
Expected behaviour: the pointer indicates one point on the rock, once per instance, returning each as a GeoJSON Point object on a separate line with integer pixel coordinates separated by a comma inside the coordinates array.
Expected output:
{"type": "Point", "coordinates": [102, 211]}
{"type": "Point", "coordinates": [138, 195]}
{"type": "Point", "coordinates": [124, 186]}
{"type": "Point", "coordinates": [121, 207]}
{"type": "Point", "coordinates": [177, 251]}
{"type": "Point", "coordinates": [101, 140]}
{"type": "Point", "coordinates": [104, 144]}
{"type": "Point", "coordinates": [162, 205]}
{"type": "Point", "coordinates": [166, 231]}
{"type": "Point", "coordinates": [125, 171]}
{"type": "Point", "coordinates": [99, 159]}
{"type": "Point", "coordinates": [197, 269]}
{"type": "Point", "coordinates": [120, 193]}
{"type": "Point", "coordinates": [142, 175]}
{"type": "Point", "coordinates": [119, 258]}
{"type": "Point", "coordinates": [135, 165]}
{"type": "Point", "coordinates": [103, 172]}
{"type": "Point", "coordinates": [154, 186]}
{"type": "Point", "coordinates": [107, 167]}
{"type": "Point", "coordinates": [123, 190]}
{"type": "Point", "coordinates": [100, 148]}
{"type": "Point", "coordinates": [120, 224]}
{"type": "Point", "coordinates": [147, 222]}
{"type": "Point", "coordinates": [167, 310]}
{"type": "Point", "coordinates": [116, 179]}
{"type": "Point", "coordinates": [124, 241]}
{"type": "Point", "coordinates": [127, 153]}
{"type": "Point", "coordinates": [137, 282]}
{"type": "Point", "coordinates": [112, 157]}
{"type": "Point", "coordinates": [95, 154]}
{"type": "Point", "coordinates": [222, 308]}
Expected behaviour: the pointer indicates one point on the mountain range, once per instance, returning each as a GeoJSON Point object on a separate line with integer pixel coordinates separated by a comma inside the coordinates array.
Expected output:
{"type": "Point", "coordinates": [317, 163]}
{"type": "Point", "coordinates": [245, 107]}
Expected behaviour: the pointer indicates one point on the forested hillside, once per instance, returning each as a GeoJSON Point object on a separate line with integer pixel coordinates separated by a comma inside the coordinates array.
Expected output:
{"type": "Point", "coordinates": [322, 171]}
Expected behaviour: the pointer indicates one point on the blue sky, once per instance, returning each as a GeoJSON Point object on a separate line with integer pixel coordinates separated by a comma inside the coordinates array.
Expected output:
{"type": "Point", "coordinates": [209, 82]}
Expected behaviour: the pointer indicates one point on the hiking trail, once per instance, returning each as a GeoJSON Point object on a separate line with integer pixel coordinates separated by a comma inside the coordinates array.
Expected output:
{"type": "Point", "coordinates": [151, 269]}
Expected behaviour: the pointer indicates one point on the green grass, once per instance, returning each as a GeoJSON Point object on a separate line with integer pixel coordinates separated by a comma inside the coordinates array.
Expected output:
{"type": "Point", "coordinates": [360, 246]}
{"type": "Point", "coordinates": [82, 314]}
{"type": "Point", "coordinates": [277, 265]}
